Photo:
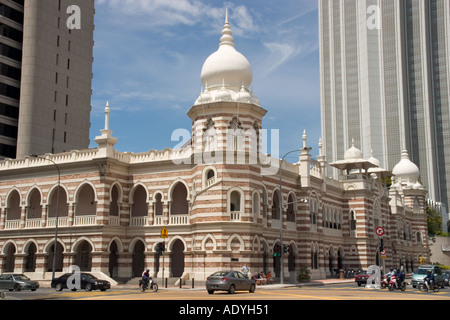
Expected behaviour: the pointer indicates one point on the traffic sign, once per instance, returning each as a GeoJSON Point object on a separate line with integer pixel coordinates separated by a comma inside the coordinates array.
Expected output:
{"type": "Point", "coordinates": [164, 233]}
{"type": "Point", "coordinates": [383, 253]}
{"type": "Point", "coordinates": [379, 231]}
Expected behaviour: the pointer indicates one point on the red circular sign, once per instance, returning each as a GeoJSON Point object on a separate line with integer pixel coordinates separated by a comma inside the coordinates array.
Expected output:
{"type": "Point", "coordinates": [379, 231]}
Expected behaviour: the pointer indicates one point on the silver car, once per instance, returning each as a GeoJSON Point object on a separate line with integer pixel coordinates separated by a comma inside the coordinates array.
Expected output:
{"type": "Point", "coordinates": [17, 282]}
{"type": "Point", "coordinates": [230, 281]}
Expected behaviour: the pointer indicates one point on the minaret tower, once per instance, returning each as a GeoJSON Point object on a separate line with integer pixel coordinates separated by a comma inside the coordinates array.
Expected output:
{"type": "Point", "coordinates": [226, 113]}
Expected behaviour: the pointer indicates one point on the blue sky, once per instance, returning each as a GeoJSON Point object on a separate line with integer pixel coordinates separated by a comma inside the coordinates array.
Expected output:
{"type": "Point", "coordinates": [148, 56]}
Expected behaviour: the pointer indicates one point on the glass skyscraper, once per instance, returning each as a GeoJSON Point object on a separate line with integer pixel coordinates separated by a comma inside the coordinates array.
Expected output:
{"type": "Point", "coordinates": [385, 70]}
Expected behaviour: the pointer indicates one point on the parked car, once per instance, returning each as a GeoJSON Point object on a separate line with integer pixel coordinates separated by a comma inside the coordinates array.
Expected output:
{"type": "Point", "coordinates": [361, 277]}
{"type": "Point", "coordinates": [230, 281]}
{"type": "Point", "coordinates": [421, 272]}
{"type": "Point", "coordinates": [446, 275]}
{"type": "Point", "coordinates": [87, 282]}
{"type": "Point", "coordinates": [17, 282]}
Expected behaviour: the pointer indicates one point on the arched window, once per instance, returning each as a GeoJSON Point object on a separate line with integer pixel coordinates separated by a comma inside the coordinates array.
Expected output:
{"type": "Point", "coordinates": [114, 205]}
{"type": "Point", "coordinates": [265, 203]}
{"type": "Point", "coordinates": [276, 210]}
{"type": "Point", "coordinates": [139, 206]}
{"type": "Point", "coordinates": [13, 206]}
{"type": "Point", "coordinates": [179, 203]}
{"type": "Point", "coordinates": [235, 136]}
{"type": "Point", "coordinates": [34, 205]}
{"type": "Point", "coordinates": [235, 201]}
{"type": "Point", "coordinates": [256, 204]}
{"type": "Point", "coordinates": [210, 136]}
{"type": "Point", "coordinates": [352, 221]}
{"type": "Point", "coordinates": [290, 214]}
{"type": "Point", "coordinates": [313, 211]}
{"type": "Point", "coordinates": [158, 209]}
{"type": "Point", "coordinates": [86, 204]}
{"type": "Point", "coordinates": [63, 209]}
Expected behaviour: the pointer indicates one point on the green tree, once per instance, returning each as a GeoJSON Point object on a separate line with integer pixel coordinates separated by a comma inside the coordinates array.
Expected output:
{"type": "Point", "coordinates": [434, 221]}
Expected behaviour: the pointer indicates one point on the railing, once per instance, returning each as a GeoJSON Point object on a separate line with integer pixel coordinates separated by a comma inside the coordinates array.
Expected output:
{"type": "Point", "coordinates": [84, 220]}
{"type": "Point", "coordinates": [179, 219]}
{"type": "Point", "coordinates": [159, 221]}
{"type": "Point", "coordinates": [235, 216]}
{"type": "Point", "coordinates": [114, 220]}
{"type": "Point", "coordinates": [210, 181]}
{"type": "Point", "coordinates": [62, 222]}
{"type": "Point", "coordinates": [12, 224]}
{"type": "Point", "coordinates": [33, 223]}
{"type": "Point", "coordinates": [138, 221]}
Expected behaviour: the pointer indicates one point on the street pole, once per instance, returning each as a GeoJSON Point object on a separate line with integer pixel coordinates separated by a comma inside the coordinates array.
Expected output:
{"type": "Point", "coordinates": [57, 212]}
{"type": "Point", "coordinates": [281, 218]}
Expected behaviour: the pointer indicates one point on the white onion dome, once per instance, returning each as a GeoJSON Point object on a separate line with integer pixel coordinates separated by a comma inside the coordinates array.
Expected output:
{"type": "Point", "coordinates": [406, 170]}
{"type": "Point", "coordinates": [374, 160]}
{"type": "Point", "coordinates": [353, 153]}
{"type": "Point", "coordinates": [227, 66]}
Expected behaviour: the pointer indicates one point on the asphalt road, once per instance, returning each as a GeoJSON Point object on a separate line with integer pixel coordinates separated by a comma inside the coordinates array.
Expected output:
{"type": "Point", "coordinates": [333, 292]}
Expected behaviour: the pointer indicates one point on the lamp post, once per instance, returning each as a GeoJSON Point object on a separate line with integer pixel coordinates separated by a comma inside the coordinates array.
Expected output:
{"type": "Point", "coordinates": [281, 218]}
{"type": "Point", "coordinates": [57, 212]}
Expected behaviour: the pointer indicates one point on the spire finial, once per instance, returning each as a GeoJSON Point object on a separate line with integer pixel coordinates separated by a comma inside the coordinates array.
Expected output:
{"type": "Point", "coordinates": [227, 37]}
{"type": "Point", "coordinates": [107, 110]}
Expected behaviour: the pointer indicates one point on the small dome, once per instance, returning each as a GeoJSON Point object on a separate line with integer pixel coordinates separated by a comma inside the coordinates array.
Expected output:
{"type": "Point", "coordinates": [374, 160]}
{"type": "Point", "coordinates": [353, 153]}
{"type": "Point", "coordinates": [227, 66]}
{"type": "Point", "coordinates": [406, 170]}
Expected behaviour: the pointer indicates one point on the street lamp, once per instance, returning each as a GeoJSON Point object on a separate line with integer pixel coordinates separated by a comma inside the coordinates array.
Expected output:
{"type": "Point", "coordinates": [281, 218]}
{"type": "Point", "coordinates": [57, 212]}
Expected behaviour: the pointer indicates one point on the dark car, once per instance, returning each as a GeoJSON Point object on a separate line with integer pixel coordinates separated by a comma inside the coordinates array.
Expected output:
{"type": "Point", "coordinates": [87, 282]}
{"type": "Point", "coordinates": [361, 277]}
{"type": "Point", "coordinates": [17, 282]}
{"type": "Point", "coordinates": [230, 281]}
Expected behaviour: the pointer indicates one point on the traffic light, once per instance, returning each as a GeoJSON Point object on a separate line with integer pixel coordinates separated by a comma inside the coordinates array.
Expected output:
{"type": "Point", "coordinates": [160, 248]}
{"type": "Point", "coordinates": [381, 245]}
{"type": "Point", "coordinates": [277, 254]}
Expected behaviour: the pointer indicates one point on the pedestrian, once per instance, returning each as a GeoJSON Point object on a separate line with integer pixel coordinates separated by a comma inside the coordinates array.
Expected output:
{"type": "Point", "coordinates": [245, 270]}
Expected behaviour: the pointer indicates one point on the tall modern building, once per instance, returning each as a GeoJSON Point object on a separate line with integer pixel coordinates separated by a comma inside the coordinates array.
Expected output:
{"type": "Point", "coordinates": [385, 72]}
{"type": "Point", "coordinates": [46, 56]}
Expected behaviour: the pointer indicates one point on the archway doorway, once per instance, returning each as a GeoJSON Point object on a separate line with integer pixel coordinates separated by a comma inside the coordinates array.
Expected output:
{"type": "Point", "coordinates": [59, 257]}
{"type": "Point", "coordinates": [177, 265]}
{"type": "Point", "coordinates": [138, 259]}
{"type": "Point", "coordinates": [30, 259]}
{"type": "Point", "coordinates": [113, 260]}
{"type": "Point", "coordinates": [9, 261]}
{"type": "Point", "coordinates": [84, 256]}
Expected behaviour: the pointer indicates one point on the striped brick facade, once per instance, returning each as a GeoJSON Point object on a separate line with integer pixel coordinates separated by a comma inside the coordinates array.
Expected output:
{"type": "Point", "coordinates": [218, 215]}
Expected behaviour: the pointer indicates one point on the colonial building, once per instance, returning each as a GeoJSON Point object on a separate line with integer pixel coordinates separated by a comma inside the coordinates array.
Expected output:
{"type": "Point", "coordinates": [222, 201]}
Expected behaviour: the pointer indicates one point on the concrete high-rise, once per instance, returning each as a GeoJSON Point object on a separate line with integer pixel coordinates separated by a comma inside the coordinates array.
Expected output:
{"type": "Point", "coordinates": [46, 61]}
{"type": "Point", "coordinates": [385, 72]}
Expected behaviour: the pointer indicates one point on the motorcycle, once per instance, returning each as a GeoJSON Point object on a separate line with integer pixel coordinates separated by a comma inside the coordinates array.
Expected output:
{"type": "Point", "coordinates": [424, 287]}
{"type": "Point", "coordinates": [394, 285]}
{"type": "Point", "coordinates": [385, 282]}
{"type": "Point", "coordinates": [150, 284]}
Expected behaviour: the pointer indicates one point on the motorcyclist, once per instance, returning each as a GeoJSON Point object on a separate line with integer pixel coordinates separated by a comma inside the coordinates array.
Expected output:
{"type": "Point", "coordinates": [429, 279]}
{"type": "Point", "coordinates": [146, 277]}
{"type": "Point", "coordinates": [401, 277]}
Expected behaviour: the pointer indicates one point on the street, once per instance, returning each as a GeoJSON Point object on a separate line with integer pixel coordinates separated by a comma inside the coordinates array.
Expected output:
{"type": "Point", "coordinates": [344, 291]}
